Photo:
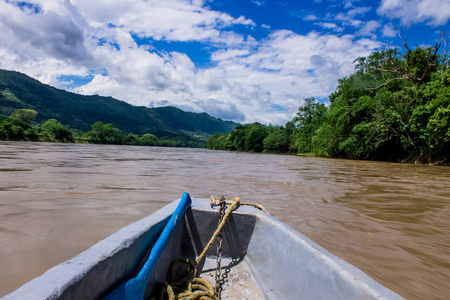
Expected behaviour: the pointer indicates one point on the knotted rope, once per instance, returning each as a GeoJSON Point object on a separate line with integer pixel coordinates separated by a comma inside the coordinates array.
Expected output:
{"type": "Point", "coordinates": [258, 206]}
{"type": "Point", "coordinates": [197, 288]}
{"type": "Point", "coordinates": [175, 286]}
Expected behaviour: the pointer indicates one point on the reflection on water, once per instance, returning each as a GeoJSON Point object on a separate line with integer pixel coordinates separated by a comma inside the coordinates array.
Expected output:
{"type": "Point", "coordinates": [390, 220]}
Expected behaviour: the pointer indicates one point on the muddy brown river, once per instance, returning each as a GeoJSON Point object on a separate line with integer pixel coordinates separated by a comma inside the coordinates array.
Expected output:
{"type": "Point", "coordinates": [390, 220]}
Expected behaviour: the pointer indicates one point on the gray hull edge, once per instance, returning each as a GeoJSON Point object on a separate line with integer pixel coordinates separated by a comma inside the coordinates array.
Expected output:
{"type": "Point", "coordinates": [94, 270]}
{"type": "Point", "coordinates": [288, 265]}
{"type": "Point", "coordinates": [284, 263]}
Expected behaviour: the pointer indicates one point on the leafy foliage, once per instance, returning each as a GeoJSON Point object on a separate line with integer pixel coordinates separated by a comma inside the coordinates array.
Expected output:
{"type": "Point", "coordinates": [148, 140]}
{"type": "Point", "coordinates": [104, 134]}
{"type": "Point", "coordinates": [279, 139]}
{"type": "Point", "coordinates": [78, 112]}
{"type": "Point", "coordinates": [24, 115]}
{"type": "Point", "coordinates": [384, 111]}
{"type": "Point", "coordinates": [254, 138]}
{"type": "Point", "coordinates": [53, 131]}
{"type": "Point", "coordinates": [309, 118]}
{"type": "Point", "coordinates": [14, 129]}
{"type": "Point", "coordinates": [395, 107]}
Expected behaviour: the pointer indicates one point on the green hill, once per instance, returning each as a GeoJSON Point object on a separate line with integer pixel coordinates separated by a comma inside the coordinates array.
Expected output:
{"type": "Point", "coordinates": [76, 111]}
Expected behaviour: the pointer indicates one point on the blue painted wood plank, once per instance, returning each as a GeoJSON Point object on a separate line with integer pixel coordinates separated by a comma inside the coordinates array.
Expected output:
{"type": "Point", "coordinates": [135, 288]}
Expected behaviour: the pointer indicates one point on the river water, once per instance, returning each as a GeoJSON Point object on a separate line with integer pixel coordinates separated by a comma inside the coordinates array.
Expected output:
{"type": "Point", "coordinates": [390, 220]}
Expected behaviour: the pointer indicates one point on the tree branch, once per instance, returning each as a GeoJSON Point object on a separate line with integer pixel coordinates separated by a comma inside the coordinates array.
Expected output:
{"type": "Point", "coordinates": [436, 48]}
{"type": "Point", "coordinates": [401, 38]}
{"type": "Point", "coordinates": [383, 84]}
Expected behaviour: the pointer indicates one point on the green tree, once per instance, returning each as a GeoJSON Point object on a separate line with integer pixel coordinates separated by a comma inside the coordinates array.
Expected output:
{"type": "Point", "coordinates": [248, 137]}
{"type": "Point", "coordinates": [131, 139]}
{"type": "Point", "coordinates": [11, 129]}
{"type": "Point", "coordinates": [254, 138]}
{"type": "Point", "coordinates": [384, 110]}
{"type": "Point", "coordinates": [237, 137]}
{"type": "Point", "coordinates": [24, 115]}
{"type": "Point", "coordinates": [104, 134]}
{"type": "Point", "coordinates": [430, 122]}
{"type": "Point", "coordinates": [31, 134]}
{"type": "Point", "coordinates": [14, 129]}
{"type": "Point", "coordinates": [54, 131]}
{"type": "Point", "coordinates": [169, 143]}
{"type": "Point", "coordinates": [212, 140]}
{"type": "Point", "coordinates": [309, 118]}
{"type": "Point", "coordinates": [148, 140]}
{"type": "Point", "coordinates": [396, 106]}
{"type": "Point", "coordinates": [278, 140]}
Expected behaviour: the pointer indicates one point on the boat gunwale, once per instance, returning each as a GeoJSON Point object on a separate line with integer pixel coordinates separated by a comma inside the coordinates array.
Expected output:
{"type": "Point", "coordinates": [57, 281]}
{"type": "Point", "coordinates": [346, 270]}
{"type": "Point", "coordinates": [53, 283]}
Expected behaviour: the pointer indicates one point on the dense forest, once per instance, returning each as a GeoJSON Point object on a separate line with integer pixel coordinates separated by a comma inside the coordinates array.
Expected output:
{"type": "Point", "coordinates": [395, 107]}
{"type": "Point", "coordinates": [18, 127]}
{"type": "Point", "coordinates": [79, 112]}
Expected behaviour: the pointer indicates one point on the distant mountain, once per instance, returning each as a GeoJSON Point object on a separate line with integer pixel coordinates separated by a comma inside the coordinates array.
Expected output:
{"type": "Point", "coordinates": [76, 111]}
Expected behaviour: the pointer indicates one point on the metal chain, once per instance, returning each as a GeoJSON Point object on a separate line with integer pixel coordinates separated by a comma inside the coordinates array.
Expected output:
{"type": "Point", "coordinates": [218, 287]}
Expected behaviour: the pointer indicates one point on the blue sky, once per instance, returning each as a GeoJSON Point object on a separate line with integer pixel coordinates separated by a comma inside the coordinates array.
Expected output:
{"type": "Point", "coordinates": [246, 60]}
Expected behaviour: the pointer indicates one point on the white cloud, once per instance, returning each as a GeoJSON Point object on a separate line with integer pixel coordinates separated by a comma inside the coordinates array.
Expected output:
{"type": "Point", "coordinates": [313, 61]}
{"type": "Point", "coordinates": [352, 18]}
{"type": "Point", "coordinates": [226, 54]}
{"type": "Point", "coordinates": [246, 82]}
{"type": "Point", "coordinates": [435, 12]}
{"type": "Point", "coordinates": [326, 25]}
{"type": "Point", "coordinates": [247, 79]}
{"type": "Point", "coordinates": [356, 23]}
{"type": "Point", "coordinates": [351, 15]}
{"type": "Point", "coordinates": [65, 35]}
{"type": "Point", "coordinates": [54, 34]}
{"type": "Point", "coordinates": [389, 30]}
{"type": "Point", "coordinates": [226, 110]}
{"type": "Point", "coordinates": [310, 18]}
{"type": "Point", "coordinates": [259, 2]}
{"type": "Point", "coordinates": [369, 28]}
{"type": "Point", "coordinates": [170, 20]}
{"type": "Point", "coordinates": [359, 11]}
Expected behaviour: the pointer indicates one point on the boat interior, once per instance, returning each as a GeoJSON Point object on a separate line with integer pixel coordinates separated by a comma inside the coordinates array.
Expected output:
{"type": "Point", "coordinates": [261, 258]}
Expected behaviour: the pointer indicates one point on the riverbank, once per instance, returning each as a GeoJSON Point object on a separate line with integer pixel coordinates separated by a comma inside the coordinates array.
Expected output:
{"type": "Point", "coordinates": [394, 107]}
{"type": "Point", "coordinates": [14, 129]}
{"type": "Point", "coordinates": [388, 219]}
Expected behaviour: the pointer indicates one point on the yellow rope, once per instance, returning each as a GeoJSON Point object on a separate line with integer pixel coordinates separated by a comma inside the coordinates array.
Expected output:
{"type": "Point", "coordinates": [258, 206]}
{"type": "Point", "coordinates": [219, 228]}
{"type": "Point", "coordinates": [197, 288]}
{"type": "Point", "coordinates": [175, 286]}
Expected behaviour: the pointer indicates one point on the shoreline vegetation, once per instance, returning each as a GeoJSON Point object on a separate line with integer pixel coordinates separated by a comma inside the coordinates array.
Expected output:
{"type": "Point", "coordinates": [18, 127]}
{"type": "Point", "coordinates": [20, 95]}
{"type": "Point", "coordinates": [395, 107]}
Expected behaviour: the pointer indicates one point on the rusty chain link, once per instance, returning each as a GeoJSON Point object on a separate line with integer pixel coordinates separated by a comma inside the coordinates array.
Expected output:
{"type": "Point", "coordinates": [218, 287]}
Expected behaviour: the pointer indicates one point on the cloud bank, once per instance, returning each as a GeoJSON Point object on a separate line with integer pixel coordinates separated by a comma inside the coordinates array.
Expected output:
{"type": "Point", "coordinates": [434, 12]}
{"type": "Point", "coordinates": [110, 48]}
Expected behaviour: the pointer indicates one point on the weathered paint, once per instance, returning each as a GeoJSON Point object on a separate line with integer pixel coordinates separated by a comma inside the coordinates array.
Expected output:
{"type": "Point", "coordinates": [281, 262]}
{"type": "Point", "coordinates": [95, 272]}
{"type": "Point", "coordinates": [288, 265]}
{"type": "Point", "coordinates": [135, 288]}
